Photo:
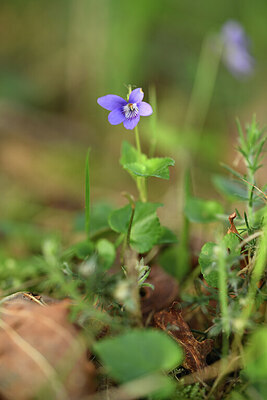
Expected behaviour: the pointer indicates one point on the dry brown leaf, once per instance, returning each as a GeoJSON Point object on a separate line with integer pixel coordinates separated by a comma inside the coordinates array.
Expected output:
{"type": "Point", "coordinates": [172, 322]}
{"type": "Point", "coordinates": [25, 297]}
{"type": "Point", "coordinates": [39, 349]}
{"type": "Point", "coordinates": [232, 228]}
{"type": "Point", "coordinates": [164, 293]}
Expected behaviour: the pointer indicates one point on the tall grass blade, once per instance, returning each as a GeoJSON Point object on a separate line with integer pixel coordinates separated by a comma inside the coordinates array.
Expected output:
{"type": "Point", "coordinates": [87, 193]}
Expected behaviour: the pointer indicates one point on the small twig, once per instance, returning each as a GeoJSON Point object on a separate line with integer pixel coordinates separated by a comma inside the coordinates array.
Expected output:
{"type": "Point", "coordinates": [138, 388]}
{"type": "Point", "coordinates": [211, 372]}
{"type": "Point", "coordinates": [249, 238]}
{"type": "Point", "coordinates": [264, 196]}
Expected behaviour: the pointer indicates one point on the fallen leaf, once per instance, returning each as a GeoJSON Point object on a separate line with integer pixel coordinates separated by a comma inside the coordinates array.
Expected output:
{"type": "Point", "coordinates": [172, 322]}
{"type": "Point", "coordinates": [232, 228]}
{"type": "Point", "coordinates": [40, 350]}
{"type": "Point", "coordinates": [164, 293]}
{"type": "Point", "coordinates": [25, 297]}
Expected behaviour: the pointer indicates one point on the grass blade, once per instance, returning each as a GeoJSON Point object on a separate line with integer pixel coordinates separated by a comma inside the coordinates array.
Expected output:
{"type": "Point", "coordinates": [87, 194]}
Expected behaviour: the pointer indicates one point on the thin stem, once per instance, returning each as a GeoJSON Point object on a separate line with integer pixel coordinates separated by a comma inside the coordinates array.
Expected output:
{"type": "Point", "coordinates": [126, 241]}
{"type": "Point", "coordinates": [87, 195]}
{"type": "Point", "coordinates": [183, 253]}
{"type": "Point", "coordinates": [130, 225]}
{"type": "Point", "coordinates": [131, 260]}
{"type": "Point", "coordinates": [140, 181]}
{"type": "Point", "coordinates": [137, 141]}
{"type": "Point", "coordinates": [153, 120]}
{"type": "Point", "coordinates": [223, 298]}
{"type": "Point", "coordinates": [206, 74]}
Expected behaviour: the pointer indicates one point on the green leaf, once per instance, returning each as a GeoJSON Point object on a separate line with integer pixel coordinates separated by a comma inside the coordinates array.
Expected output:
{"type": "Point", "coordinates": [99, 214]}
{"type": "Point", "coordinates": [130, 155]}
{"type": "Point", "coordinates": [208, 259]}
{"type": "Point", "coordinates": [232, 171]}
{"type": "Point", "coordinates": [138, 353]}
{"type": "Point", "coordinates": [154, 167]}
{"type": "Point", "coordinates": [106, 253]}
{"type": "Point", "coordinates": [256, 355]}
{"type": "Point", "coordinates": [167, 236]}
{"type": "Point", "coordinates": [233, 190]}
{"type": "Point", "coordinates": [143, 166]}
{"type": "Point", "coordinates": [83, 249]}
{"type": "Point", "coordinates": [146, 229]}
{"type": "Point", "coordinates": [232, 242]}
{"type": "Point", "coordinates": [99, 217]}
{"type": "Point", "coordinates": [208, 263]}
{"type": "Point", "coordinates": [119, 219]}
{"type": "Point", "coordinates": [204, 211]}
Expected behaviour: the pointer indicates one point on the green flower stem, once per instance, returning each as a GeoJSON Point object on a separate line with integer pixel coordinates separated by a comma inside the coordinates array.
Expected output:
{"type": "Point", "coordinates": [87, 195]}
{"type": "Point", "coordinates": [206, 75]}
{"type": "Point", "coordinates": [183, 251]}
{"type": "Point", "coordinates": [140, 181]}
{"type": "Point", "coordinates": [131, 260]}
{"type": "Point", "coordinates": [137, 140]}
{"type": "Point", "coordinates": [126, 240]}
{"type": "Point", "coordinates": [153, 121]}
{"type": "Point", "coordinates": [223, 298]}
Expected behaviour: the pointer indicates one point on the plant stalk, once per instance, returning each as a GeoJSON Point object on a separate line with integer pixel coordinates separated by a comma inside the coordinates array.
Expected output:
{"type": "Point", "coordinates": [223, 298]}
{"type": "Point", "coordinates": [140, 181]}
{"type": "Point", "coordinates": [203, 87]}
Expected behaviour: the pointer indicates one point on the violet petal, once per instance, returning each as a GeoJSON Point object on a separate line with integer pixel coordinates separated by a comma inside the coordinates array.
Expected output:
{"type": "Point", "coordinates": [111, 101]}
{"type": "Point", "coordinates": [136, 96]}
{"type": "Point", "coordinates": [145, 109]}
{"type": "Point", "coordinates": [131, 123]}
{"type": "Point", "coordinates": [116, 116]}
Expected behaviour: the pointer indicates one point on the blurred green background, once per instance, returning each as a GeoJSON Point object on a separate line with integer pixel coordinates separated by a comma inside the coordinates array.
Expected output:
{"type": "Point", "coordinates": [58, 56]}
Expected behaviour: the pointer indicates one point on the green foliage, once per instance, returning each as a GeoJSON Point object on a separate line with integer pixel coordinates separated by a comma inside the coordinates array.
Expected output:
{"type": "Point", "coordinates": [256, 356]}
{"type": "Point", "coordinates": [251, 145]}
{"type": "Point", "coordinates": [190, 392]}
{"type": "Point", "coordinates": [145, 230]}
{"type": "Point", "coordinates": [231, 242]}
{"type": "Point", "coordinates": [98, 219]}
{"type": "Point", "coordinates": [14, 273]}
{"type": "Point", "coordinates": [253, 383]}
{"type": "Point", "coordinates": [138, 353]}
{"type": "Point", "coordinates": [203, 211]}
{"type": "Point", "coordinates": [167, 236]}
{"type": "Point", "coordinates": [209, 258]}
{"type": "Point", "coordinates": [232, 189]}
{"type": "Point", "coordinates": [83, 249]}
{"type": "Point", "coordinates": [208, 263]}
{"type": "Point", "coordinates": [119, 219]}
{"type": "Point", "coordinates": [142, 165]}
{"type": "Point", "coordinates": [106, 253]}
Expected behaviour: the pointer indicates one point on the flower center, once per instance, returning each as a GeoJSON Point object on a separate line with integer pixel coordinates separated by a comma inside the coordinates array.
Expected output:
{"type": "Point", "coordinates": [130, 110]}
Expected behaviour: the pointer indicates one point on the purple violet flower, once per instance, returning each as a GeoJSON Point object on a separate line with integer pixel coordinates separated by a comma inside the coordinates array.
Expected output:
{"type": "Point", "coordinates": [236, 55]}
{"type": "Point", "coordinates": [127, 112]}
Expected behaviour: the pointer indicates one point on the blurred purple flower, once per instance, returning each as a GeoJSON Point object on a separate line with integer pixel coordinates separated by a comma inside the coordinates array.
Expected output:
{"type": "Point", "coordinates": [127, 112]}
{"type": "Point", "coordinates": [236, 55]}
